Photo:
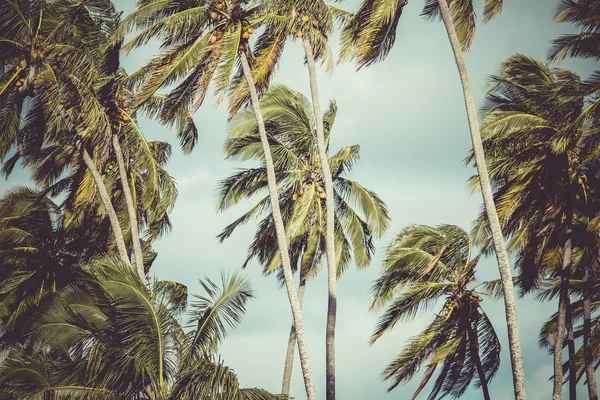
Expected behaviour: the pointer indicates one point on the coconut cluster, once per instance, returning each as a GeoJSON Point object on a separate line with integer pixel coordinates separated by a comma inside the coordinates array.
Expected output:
{"type": "Point", "coordinates": [303, 19]}
{"type": "Point", "coordinates": [469, 297]}
{"type": "Point", "coordinates": [314, 177]}
{"type": "Point", "coordinates": [20, 84]}
{"type": "Point", "coordinates": [117, 110]}
{"type": "Point", "coordinates": [236, 14]}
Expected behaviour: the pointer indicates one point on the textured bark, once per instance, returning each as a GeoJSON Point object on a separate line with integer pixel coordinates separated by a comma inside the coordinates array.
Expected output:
{"type": "Point", "coordinates": [588, 356]}
{"type": "Point", "coordinates": [478, 366]}
{"type": "Point", "coordinates": [514, 342]}
{"type": "Point", "coordinates": [571, 347]}
{"type": "Point", "coordinates": [133, 221]}
{"type": "Point", "coordinates": [565, 276]}
{"type": "Point", "coordinates": [289, 356]}
{"type": "Point", "coordinates": [108, 207]}
{"type": "Point", "coordinates": [280, 231]}
{"type": "Point", "coordinates": [329, 228]}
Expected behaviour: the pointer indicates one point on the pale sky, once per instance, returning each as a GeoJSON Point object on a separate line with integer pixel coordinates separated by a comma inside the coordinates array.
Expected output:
{"type": "Point", "coordinates": [407, 114]}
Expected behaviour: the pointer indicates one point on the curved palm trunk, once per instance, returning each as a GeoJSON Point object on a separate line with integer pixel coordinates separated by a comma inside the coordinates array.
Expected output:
{"type": "Point", "coordinates": [133, 221]}
{"type": "Point", "coordinates": [289, 355]}
{"type": "Point", "coordinates": [329, 227]}
{"type": "Point", "coordinates": [280, 231]}
{"type": "Point", "coordinates": [571, 347]}
{"type": "Point", "coordinates": [565, 276]}
{"type": "Point", "coordinates": [588, 355]}
{"type": "Point", "coordinates": [104, 197]}
{"type": "Point", "coordinates": [478, 366]}
{"type": "Point", "coordinates": [514, 341]}
{"type": "Point", "coordinates": [108, 207]}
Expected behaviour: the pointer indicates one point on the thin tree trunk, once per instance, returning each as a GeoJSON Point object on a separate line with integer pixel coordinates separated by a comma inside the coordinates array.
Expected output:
{"type": "Point", "coordinates": [280, 231]}
{"type": "Point", "coordinates": [588, 356]}
{"type": "Point", "coordinates": [571, 347]}
{"type": "Point", "coordinates": [329, 228]}
{"type": "Point", "coordinates": [565, 276]}
{"type": "Point", "coordinates": [104, 197]}
{"type": "Point", "coordinates": [289, 356]}
{"type": "Point", "coordinates": [133, 221]}
{"type": "Point", "coordinates": [478, 366]}
{"type": "Point", "coordinates": [108, 207]}
{"type": "Point", "coordinates": [514, 342]}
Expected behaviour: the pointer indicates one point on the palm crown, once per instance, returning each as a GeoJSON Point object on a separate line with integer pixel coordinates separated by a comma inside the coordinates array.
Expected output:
{"type": "Point", "coordinates": [422, 266]}
{"type": "Point", "coordinates": [290, 124]}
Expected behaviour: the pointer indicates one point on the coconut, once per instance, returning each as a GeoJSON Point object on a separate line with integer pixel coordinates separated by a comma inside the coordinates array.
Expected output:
{"type": "Point", "coordinates": [250, 30]}
{"type": "Point", "coordinates": [246, 35]}
{"type": "Point", "coordinates": [219, 6]}
{"type": "Point", "coordinates": [299, 33]}
{"type": "Point", "coordinates": [322, 195]}
{"type": "Point", "coordinates": [213, 15]}
{"type": "Point", "coordinates": [213, 39]}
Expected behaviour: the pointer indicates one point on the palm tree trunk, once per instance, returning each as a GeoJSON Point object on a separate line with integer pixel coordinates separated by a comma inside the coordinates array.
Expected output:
{"type": "Point", "coordinates": [104, 197]}
{"type": "Point", "coordinates": [478, 366]}
{"type": "Point", "coordinates": [514, 341]}
{"type": "Point", "coordinates": [280, 231]}
{"type": "Point", "coordinates": [329, 228]}
{"type": "Point", "coordinates": [108, 207]}
{"type": "Point", "coordinates": [133, 221]}
{"type": "Point", "coordinates": [289, 356]}
{"type": "Point", "coordinates": [565, 276]}
{"type": "Point", "coordinates": [588, 355]}
{"type": "Point", "coordinates": [571, 347]}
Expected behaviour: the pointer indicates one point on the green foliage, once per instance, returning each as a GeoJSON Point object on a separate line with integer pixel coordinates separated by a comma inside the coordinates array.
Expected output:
{"type": "Point", "coordinates": [107, 336]}
{"type": "Point", "coordinates": [369, 35]}
{"type": "Point", "coordinates": [361, 214]}
{"type": "Point", "coordinates": [424, 265]}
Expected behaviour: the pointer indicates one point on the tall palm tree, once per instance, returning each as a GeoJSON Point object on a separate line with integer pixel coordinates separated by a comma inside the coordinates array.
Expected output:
{"type": "Point", "coordinates": [203, 42]}
{"type": "Point", "coordinates": [312, 21]}
{"type": "Point", "coordinates": [538, 145]}
{"type": "Point", "coordinates": [124, 341]}
{"type": "Point", "coordinates": [48, 58]}
{"type": "Point", "coordinates": [424, 264]}
{"type": "Point", "coordinates": [584, 14]}
{"type": "Point", "coordinates": [291, 124]}
{"type": "Point", "coordinates": [368, 37]}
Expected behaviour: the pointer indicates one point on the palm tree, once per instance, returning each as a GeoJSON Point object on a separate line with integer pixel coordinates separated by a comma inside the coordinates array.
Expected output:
{"type": "Point", "coordinates": [44, 62]}
{"type": "Point", "coordinates": [39, 254]}
{"type": "Point", "coordinates": [584, 14]}
{"type": "Point", "coordinates": [538, 146]}
{"type": "Point", "coordinates": [312, 21]}
{"type": "Point", "coordinates": [204, 54]}
{"type": "Point", "coordinates": [291, 124]}
{"type": "Point", "coordinates": [424, 264]}
{"type": "Point", "coordinates": [124, 341]}
{"type": "Point", "coordinates": [368, 37]}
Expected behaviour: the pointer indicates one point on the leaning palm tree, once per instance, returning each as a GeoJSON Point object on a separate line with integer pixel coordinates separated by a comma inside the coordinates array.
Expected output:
{"type": "Point", "coordinates": [368, 37]}
{"type": "Point", "coordinates": [539, 147]}
{"type": "Point", "coordinates": [203, 42]}
{"type": "Point", "coordinates": [48, 60]}
{"type": "Point", "coordinates": [423, 265]}
{"type": "Point", "coordinates": [290, 125]}
{"type": "Point", "coordinates": [124, 341]}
